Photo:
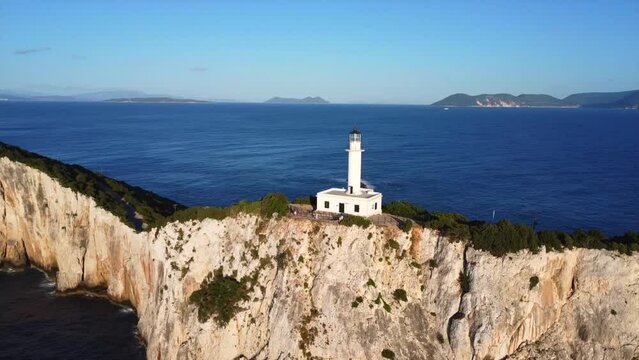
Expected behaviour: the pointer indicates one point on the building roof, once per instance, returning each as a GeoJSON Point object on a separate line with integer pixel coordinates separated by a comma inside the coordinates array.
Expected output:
{"type": "Point", "coordinates": [355, 131]}
{"type": "Point", "coordinates": [365, 194]}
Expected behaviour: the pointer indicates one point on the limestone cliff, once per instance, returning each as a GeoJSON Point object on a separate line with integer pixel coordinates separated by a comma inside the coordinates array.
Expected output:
{"type": "Point", "coordinates": [325, 290]}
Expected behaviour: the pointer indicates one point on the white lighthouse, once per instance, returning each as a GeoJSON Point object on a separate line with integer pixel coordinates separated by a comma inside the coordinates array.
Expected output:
{"type": "Point", "coordinates": [354, 162]}
{"type": "Point", "coordinates": [353, 200]}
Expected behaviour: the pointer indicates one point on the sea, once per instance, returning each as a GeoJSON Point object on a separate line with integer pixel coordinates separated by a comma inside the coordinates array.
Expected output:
{"type": "Point", "coordinates": [557, 168]}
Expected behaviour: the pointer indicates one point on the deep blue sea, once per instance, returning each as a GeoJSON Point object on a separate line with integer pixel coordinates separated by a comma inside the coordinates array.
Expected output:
{"type": "Point", "coordinates": [567, 168]}
{"type": "Point", "coordinates": [35, 323]}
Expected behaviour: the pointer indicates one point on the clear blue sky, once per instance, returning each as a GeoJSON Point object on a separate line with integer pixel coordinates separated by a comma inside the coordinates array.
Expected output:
{"type": "Point", "coordinates": [363, 51]}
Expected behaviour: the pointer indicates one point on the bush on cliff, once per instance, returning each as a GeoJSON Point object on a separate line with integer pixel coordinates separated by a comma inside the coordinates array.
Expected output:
{"type": "Point", "coordinates": [117, 197]}
{"type": "Point", "coordinates": [219, 296]}
{"type": "Point", "coordinates": [353, 220]}
{"type": "Point", "coordinates": [274, 203]}
{"type": "Point", "coordinates": [406, 226]}
{"type": "Point", "coordinates": [504, 237]}
{"type": "Point", "coordinates": [407, 210]}
{"type": "Point", "coordinates": [302, 200]}
{"type": "Point", "coordinates": [452, 225]}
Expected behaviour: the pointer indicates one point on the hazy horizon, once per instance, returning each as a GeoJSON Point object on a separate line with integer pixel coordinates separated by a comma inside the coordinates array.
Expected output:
{"type": "Point", "coordinates": [355, 52]}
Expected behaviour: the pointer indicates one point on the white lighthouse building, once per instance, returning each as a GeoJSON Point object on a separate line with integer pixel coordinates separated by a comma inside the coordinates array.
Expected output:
{"type": "Point", "coordinates": [353, 200]}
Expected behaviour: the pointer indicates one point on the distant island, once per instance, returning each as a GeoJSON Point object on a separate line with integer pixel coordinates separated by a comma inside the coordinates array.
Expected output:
{"type": "Point", "coordinates": [155, 100]}
{"type": "Point", "coordinates": [306, 100]}
{"type": "Point", "coordinates": [623, 99]}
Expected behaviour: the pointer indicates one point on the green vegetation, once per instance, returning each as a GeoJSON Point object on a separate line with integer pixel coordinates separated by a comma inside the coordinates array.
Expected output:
{"type": "Point", "coordinates": [392, 244]}
{"type": "Point", "coordinates": [117, 197]}
{"type": "Point", "coordinates": [302, 200]}
{"type": "Point", "coordinates": [406, 226]}
{"type": "Point", "coordinates": [400, 295]}
{"type": "Point", "coordinates": [406, 210]}
{"type": "Point", "coordinates": [452, 225]}
{"type": "Point", "coordinates": [353, 220]}
{"type": "Point", "coordinates": [271, 203]}
{"type": "Point", "coordinates": [358, 300]}
{"type": "Point", "coordinates": [505, 237]}
{"type": "Point", "coordinates": [274, 203]}
{"type": "Point", "coordinates": [534, 280]}
{"type": "Point", "coordinates": [388, 354]}
{"type": "Point", "coordinates": [370, 282]}
{"type": "Point", "coordinates": [219, 296]}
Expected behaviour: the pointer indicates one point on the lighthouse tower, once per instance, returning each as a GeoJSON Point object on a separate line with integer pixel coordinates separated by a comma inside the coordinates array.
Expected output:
{"type": "Point", "coordinates": [354, 162]}
{"type": "Point", "coordinates": [353, 200]}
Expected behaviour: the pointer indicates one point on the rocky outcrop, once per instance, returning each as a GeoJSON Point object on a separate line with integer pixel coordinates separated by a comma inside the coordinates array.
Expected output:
{"type": "Point", "coordinates": [325, 290]}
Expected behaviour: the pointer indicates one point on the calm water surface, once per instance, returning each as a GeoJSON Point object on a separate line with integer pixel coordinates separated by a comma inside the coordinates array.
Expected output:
{"type": "Point", "coordinates": [568, 168]}
{"type": "Point", "coordinates": [37, 324]}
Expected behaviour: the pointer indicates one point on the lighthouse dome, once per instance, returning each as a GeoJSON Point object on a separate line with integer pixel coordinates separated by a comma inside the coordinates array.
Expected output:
{"type": "Point", "coordinates": [355, 135]}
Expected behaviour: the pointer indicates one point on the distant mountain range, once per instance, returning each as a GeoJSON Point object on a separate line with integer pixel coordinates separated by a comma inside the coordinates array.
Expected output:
{"type": "Point", "coordinates": [306, 100]}
{"type": "Point", "coordinates": [112, 96]}
{"type": "Point", "coordinates": [623, 99]}
{"type": "Point", "coordinates": [157, 99]}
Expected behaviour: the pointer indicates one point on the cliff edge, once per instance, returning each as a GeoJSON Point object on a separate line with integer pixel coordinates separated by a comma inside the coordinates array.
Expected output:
{"type": "Point", "coordinates": [323, 290]}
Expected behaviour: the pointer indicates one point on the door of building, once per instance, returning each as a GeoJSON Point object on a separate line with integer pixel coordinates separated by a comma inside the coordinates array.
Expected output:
{"type": "Point", "coordinates": [341, 207]}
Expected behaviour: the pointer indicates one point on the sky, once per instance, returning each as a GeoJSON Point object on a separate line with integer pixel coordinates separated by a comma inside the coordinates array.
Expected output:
{"type": "Point", "coordinates": [412, 52]}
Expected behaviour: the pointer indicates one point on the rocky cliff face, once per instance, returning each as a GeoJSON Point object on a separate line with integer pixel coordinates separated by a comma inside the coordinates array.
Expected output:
{"type": "Point", "coordinates": [324, 290]}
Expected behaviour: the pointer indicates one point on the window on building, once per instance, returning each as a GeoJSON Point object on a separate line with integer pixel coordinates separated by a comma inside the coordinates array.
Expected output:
{"type": "Point", "coordinates": [356, 208]}
{"type": "Point", "coordinates": [326, 204]}
{"type": "Point", "coordinates": [375, 206]}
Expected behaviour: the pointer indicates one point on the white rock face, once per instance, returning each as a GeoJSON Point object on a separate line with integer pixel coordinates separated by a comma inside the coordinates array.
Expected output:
{"type": "Point", "coordinates": [310, 275]}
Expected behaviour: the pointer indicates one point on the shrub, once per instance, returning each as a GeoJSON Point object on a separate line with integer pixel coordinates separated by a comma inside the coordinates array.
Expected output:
{"type": "Point", "coordinates": [282, 259]}
{"type": "Point", "coordinates": [195, 213]}
{"type": "Point", "coordinates": [392, 244]}
{"type": "Point", "coordinates": [302, 200]}
{"type": "Point", "coordinates": [219, 296]}
{"type": "Point", "coordinates": [504, 237]}
{"type": "Point", "coordinates": [455, 226]}
{"type": "Point", "coordinates": [400, 295]}
{"type": "Point", "coordinates": [406, 210]}
{"type": "Point", "coordinates": [388, 354]}
{"type": "Point", "coordinates": [550, 239]}
{"type": "Point", "coordinates": [353, 220]}
{"type": "Point", "coordinates": [358, 300]}
{"type": "Point", "coordinates": [534, 280]}
{"type": "Point", "coordinates": [406, 226]}
{"type": "Point", "coordinates": [440, 338]}
{"type": "Point", "coordinates": [274, 203]}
